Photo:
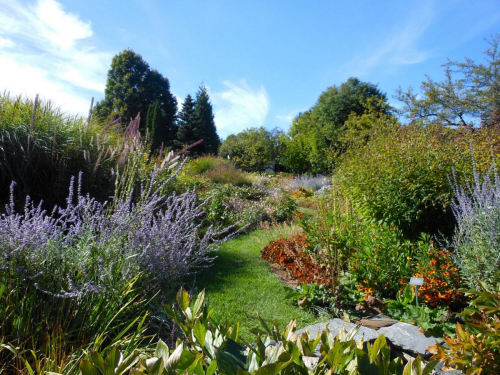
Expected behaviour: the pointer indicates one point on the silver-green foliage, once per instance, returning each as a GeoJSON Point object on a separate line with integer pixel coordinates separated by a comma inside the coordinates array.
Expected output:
{"type": "Point", "coordinates": [476, 240]}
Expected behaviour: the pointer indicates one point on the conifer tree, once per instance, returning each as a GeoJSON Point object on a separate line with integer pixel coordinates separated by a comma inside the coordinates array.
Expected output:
{"type": "Point", "coordinates": [204, 113]}
{"type": "Point", "coordinates": [189, 128]}
{"type": "Point", "coordinates": [133, 87]}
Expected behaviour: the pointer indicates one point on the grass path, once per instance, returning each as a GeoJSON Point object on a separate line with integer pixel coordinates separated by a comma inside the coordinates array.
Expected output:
{"type": "Point", "coordinates": [240, 284]}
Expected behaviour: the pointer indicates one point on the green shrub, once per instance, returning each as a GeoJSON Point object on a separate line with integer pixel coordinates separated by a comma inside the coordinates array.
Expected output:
{"type": "Point", "coordinates": [401, 176]}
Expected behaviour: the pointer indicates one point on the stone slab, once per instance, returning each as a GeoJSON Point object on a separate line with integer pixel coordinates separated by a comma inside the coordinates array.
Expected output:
{"type": "Point", "coordinates": [409, 338]}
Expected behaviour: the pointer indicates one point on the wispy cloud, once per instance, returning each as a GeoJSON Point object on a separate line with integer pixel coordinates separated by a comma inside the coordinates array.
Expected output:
{"type": "Point", "coordinates": [239, 107]}
{"type": "Point", "coordinates": [399, 49]}
{"type": "Point", "coordinates": [287, 117]}
{"type": "Point", "coordinates": [45, 49]}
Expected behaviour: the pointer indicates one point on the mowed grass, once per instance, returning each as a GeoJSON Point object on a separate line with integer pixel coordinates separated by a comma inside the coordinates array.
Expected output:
{"type": "Point", "coordinates": [240, 284]}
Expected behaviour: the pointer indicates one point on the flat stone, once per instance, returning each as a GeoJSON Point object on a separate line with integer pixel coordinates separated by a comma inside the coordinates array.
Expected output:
{"type": "Point", "coordinates": [409, 338]}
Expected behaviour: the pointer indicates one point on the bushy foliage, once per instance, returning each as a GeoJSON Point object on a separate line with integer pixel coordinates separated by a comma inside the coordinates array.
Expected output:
{"type": "Point", "coordinates": [318, 136]}
{"type": "Point", "coordinates": [210, 348]}
{"type": "Point", "coordinates": [78, 258]}
{"type": "Point", "coordinates": [476, 241]}
{"type": "Point", "coordinates": [252, 150]}
{"type": "Point", "coordinates": [400, 176]}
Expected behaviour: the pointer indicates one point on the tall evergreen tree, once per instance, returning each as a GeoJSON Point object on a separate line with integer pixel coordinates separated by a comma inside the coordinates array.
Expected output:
{"type": "Point", "coordinates": [133, 87]}
{"type": "Point", "coordinates": [204, 113]}
{"type": "Point", "coordinates": [189, 128]}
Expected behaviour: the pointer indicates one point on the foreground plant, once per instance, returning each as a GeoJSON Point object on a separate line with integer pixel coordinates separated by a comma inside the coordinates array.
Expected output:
{"type": "Point", "coordinates": [88, 273]}
{"type": "Point", "coordinates": [476, 348]}
{"type": "Point", "coordinates": [209, 348]}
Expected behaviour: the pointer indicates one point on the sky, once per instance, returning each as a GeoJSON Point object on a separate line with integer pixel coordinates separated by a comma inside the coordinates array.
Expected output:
{"type": "Point", "coordinates": [263, 62]}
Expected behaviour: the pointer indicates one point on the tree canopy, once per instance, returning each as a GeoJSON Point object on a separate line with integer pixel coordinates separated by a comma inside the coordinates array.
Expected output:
{"type": "Point", "coordinates": [196, 122]}
{"type": "Point", "coordinates": [252, 150]}
{"type": "Point", "coordinates": [132, 87]}
{"type": "Point", "coordinates": [469, 93]}
{"type": "Point", "coordinates": [318, 135]}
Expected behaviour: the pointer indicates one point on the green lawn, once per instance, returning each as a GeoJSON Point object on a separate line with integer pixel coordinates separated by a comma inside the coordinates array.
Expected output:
{"type": "Point", "coordinates": [240, 284]}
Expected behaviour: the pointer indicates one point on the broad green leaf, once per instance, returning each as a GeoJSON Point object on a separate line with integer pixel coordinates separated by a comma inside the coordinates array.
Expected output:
{"type": "Point", "coordinates": [199, 302]}
{"type": "Point", "coordinates": [199, 332]}
{"type": "Point", "coordinates": [112, 359]}
{"type": "Point", "coordinates": [183, 299]}
{"type": "Point", "coordinates": [162, 351]}
{"type": "Point", "coordinates": [97, 359]}
{"type": "Point", "coordinates": [379, 343]}
{"type": "Point", "coordinates": [211, 369]}
{"type": "Point", "coordinates": [157, 368]}
{"type": "Point", "coordinates": [87, 368]}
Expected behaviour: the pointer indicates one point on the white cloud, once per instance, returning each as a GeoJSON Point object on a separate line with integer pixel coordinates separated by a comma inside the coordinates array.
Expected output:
{"type": "Point", "coordinates": [287, 117]}
{"type": "Point", "coordinates": [239, 107]}
{"type": "Point", "coordinates": [52, 55]}
{"type": "Point", "coordinates": [399, 49]}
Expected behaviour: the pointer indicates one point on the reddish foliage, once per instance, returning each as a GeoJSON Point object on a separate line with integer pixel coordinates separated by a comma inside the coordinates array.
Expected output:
{"type": "Point", "coordinates": [288, 253]}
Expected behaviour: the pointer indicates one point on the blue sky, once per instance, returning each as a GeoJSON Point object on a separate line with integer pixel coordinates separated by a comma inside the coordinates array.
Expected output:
{"type": "Point", "coordinates": [263, 61]}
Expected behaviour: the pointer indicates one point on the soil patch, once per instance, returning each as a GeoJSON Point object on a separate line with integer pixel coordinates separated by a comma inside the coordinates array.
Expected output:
{"type": "Point", "coordinates": [283, 275]}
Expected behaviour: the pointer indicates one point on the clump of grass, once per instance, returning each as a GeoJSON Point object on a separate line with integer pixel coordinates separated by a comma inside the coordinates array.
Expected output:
{"type": "Point", "coordinates": [218, 171]}
{"type": "Point", "coordinates": [40, 148]}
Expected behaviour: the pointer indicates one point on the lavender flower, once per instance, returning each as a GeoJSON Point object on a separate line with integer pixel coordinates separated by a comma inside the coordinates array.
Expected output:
{"type": "Point", "coordinates": [79, 248]}
{"type": "Point", "coordinates": [476, 241]}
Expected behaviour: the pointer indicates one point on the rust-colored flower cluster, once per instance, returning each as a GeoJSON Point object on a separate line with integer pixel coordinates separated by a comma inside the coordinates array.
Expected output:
{"type": "Point", "coordinates": [441, 279]}
{"type": "Point", "coordinates": [288, 253]}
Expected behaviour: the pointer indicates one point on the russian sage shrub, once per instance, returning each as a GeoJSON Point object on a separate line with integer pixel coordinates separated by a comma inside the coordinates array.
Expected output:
{"type": "Point", "coordinates": [96, 263]}
{"type": "Point", "coordinates": [476, 241]}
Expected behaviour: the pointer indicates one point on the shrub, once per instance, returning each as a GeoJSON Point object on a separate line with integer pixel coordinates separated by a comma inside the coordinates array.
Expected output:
{"type": "Point", "coordinates": [301, 265]}
{"type": "Point", "coordinates": [218, 171]}
{"type": "Point", "coordinates": [400, 176]}
{"type": "Point", "coordinates": [476, 241]}
{"type": "Point", "coordinates": [59, 270]}
{"type": "Point", "coordinates": [302, 193]}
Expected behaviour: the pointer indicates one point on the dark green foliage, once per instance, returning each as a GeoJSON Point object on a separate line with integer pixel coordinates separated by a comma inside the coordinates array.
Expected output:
{"type": "Point", "coordinates": [401, 176]}
{"type": "Point", "coordinates": [189, 127]}
{"type": "Point", "coordinates": [132, 87]}
{"type": "Point", "coordinates": [158, 133]}
{"type": "Point", "coordinates": [318, 136]}
{"type": "Point", "coordinates": [205, 116]}
{"type": "Point", "coordinates": [196, 122]}
{"type": "Point", "coordinates": [252, 150]}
